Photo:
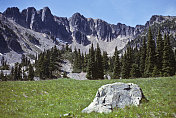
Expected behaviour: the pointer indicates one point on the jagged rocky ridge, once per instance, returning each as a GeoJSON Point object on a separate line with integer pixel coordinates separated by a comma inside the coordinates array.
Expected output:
{"type": "Point", "coordinates": [77, 30]}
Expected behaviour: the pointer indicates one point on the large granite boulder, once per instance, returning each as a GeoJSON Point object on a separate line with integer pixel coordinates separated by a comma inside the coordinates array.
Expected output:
{"type": "Point", "coordinates": [116, 95]}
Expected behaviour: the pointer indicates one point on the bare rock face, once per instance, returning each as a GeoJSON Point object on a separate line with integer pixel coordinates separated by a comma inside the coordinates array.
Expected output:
{"type": "Point", "coordinates": [116, 95]}
{"type": "Point", "coordinates": [41, 21]}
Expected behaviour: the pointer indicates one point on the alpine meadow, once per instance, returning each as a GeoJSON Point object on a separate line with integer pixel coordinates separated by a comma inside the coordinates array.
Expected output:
{"type": "Point", "coordinates": [73, 67]}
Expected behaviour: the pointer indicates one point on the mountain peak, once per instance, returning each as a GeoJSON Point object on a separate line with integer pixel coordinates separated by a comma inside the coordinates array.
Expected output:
{"type": "Point", "coordinates": [11, 11]}
{"type": "Point", "coordinates": [46, 9]}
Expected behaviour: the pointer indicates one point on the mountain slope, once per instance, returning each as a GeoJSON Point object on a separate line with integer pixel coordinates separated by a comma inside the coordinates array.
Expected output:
{"type": "Point", "coordinates": [31, 31]}
{"type": "Point", "coordinates": [16, 40]}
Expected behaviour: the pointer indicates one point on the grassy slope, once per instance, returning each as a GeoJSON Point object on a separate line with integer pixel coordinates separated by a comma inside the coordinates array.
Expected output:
{"type": "Point", "coordinates": [53, 98]}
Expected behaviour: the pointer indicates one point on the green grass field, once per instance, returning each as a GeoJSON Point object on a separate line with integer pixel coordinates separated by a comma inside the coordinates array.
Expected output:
{"type": "Point", "coordinates": [52, 98]}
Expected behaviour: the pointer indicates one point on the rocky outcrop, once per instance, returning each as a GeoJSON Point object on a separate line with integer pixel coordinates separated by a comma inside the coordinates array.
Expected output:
{"type": "Point", "coordinates": [3, 44]}
{"type": "Point", "coordinates": [62, 28]}
{"type": "Point", "coordinates": [80, 31]}
{"type": "Point", "coordinates": [14, 45]}
{"type": "Point", "coordinates": [81, 38]}
{"type": "Point", "coordinates": [114, 96]}
{"type": "Point", "coordinates": [8, 39]}
{"type": "Point", "coordinates": [76, 27]}
{"type": "Point", "coordinates": [79, 23]}
{"type": "Point", "coordinates": [41, 21]}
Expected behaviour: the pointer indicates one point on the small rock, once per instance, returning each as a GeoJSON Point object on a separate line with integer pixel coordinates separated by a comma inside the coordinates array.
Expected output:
{"type": "Point", "coordinates": [68, 114]}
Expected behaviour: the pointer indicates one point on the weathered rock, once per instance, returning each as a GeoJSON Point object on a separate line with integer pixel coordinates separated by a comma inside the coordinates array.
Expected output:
{"type": "Point", "coordinates": [116, 95]}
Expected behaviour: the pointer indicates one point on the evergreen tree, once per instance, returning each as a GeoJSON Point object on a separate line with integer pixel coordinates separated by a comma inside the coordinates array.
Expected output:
{"type": "Point", "coordinates": [150, 57]}
{"type": "Point", "coordinates": [135, 72]}
{"type": "Point", "coordinates": [12, 73]}
{"type": "Point", "coordinates": [82, 62]}
{"type": "Point", "coordinates": [124, 70]}
{"type": "Point", "coordinates": [159, 52]}
{"type": "Point", "coordinates": [67, 48]}
{"type": "Point", "coordinates": [156, 72]}
{"type": "Point", "coordinates": [85, 62]}
{"type": "Point", "coordinates": [31, 73]}
{"type": "Point", "coordinates": [116, 70]}
{"type": "Point", "coordinates": [129, 61]}
{"type": "Point", "coordinates": [65, 75]}
{"type": "Point", "coordinates": [46, 63]}
{"type": "Point", "coordinates": [23, 60]}
{"type": "Point", "coordinates": [51, 64]}
{"type": "Point", "coordinates": [24, 75]}
{"type": "Point", "coordinates": [136, 55]}
{"type": "Point", "coordinates": [2, 61]}
{"type": "Point", "coordinates": [99, 64]}
{"type": "Point", "coordinates": [19, 72]}
{"type": "Point", "coordinates": [2, 76]}
{"type": "Point", "coordinates": [40, 66]}
{"type": "Point", "coordinates": [4, 64]}
{"type": "Point", "coordinates": [175, 55]}
{"type": "Point", "coordinates": [111, 64]}
{"type": "Point", "coordinates": [91, 64]}
{"type": "Point", "coordinates": [77, 61]}
{"type": "Point", "coordinates": [143, 57]}
{"type": "Point", "coordinates": [168, 66]}
{"type": "Point", "coordinates": [15, 77]}
{"type": "Point", "coordinates": [105, 61]}
{"type": "Point", "coordinates": [175, 61]}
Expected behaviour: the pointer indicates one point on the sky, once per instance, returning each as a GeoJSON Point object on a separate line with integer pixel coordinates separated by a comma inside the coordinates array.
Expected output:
{"type": "Point", "coordinates": [129, 12]}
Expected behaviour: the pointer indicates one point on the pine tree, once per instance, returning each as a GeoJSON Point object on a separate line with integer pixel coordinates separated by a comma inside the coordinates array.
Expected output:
{"type": "Point", "coordinates": [136, 56]}
{"type": "Point", "coordinates": [67, 48]}
{"type": "Point", "coordinates": [51, 64]}
{"type": "Point", "coordinates": [19, 72]}
{"type": "Point", "coordinates": [124, 70]}
{"type": "Point", "coordinates": [12, 73]}
{"type": "Point", "coordinates": [175, 61]}
{"type": "Point", "coordinates": [111, 64]}
{"type": "Point", "coordinates": [135, 72]}
{"type": "Point", "coordinates": [159, 52]}
{"type": "Point", "coordinates": [40, 65]}
{"type": "Point", "coordinates": [15, 77]}
{"type": "Point", "coordinates": [2, 61]}
{"type": "Point", "coordinates": [77, 61]}
{"type": "Point", "coordinates": [24, 75]}
{"type": "Point", "coordinates": [150, 57]}
{"type": "Point", "coordinates": [116, 70]}
{"type": "Point", "coordinates": [31, 73]}
{"type": "Point", "coordinates": [99, 64]}
{"type": "Point", "coordinates": [168, 66]}
{"type": "Point", "coordinates": [105, 61]}
{"type": "Point", "coordinates": [46, 63]}
{"type": "Point", "coordinates": [23, 60]}
{"type": "Point", "coordinates": [65, 75]}
{"type": "Point", "coordinates": [129, 61]}
{"type": "Point", "coordinates": [85, 62]}
{"type": "Point", "coordinates": [82, 62]}
{"type": "Point", "coordinates": [156, 72]}
{"type": "Point", "coordinates": [91, 64]}
{"type": "Point", "coordinates": [2, 76]}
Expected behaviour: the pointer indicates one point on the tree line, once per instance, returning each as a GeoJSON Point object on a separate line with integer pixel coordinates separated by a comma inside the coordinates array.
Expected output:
{"type": "Point", "coordinates": [46, 66]}
{"type": "Point", "coordinates": [152, 59]}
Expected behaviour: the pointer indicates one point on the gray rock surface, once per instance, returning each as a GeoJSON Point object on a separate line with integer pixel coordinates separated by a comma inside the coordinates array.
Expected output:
{"type": "Point", "coordinates": [116, 95]}
{"type": "Point", "coordinates": [68, 68]}
{"type": "Point", "coordinates": [78, 31]}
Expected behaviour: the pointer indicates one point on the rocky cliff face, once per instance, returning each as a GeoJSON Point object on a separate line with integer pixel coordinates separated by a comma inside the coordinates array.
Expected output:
{"type": "Point", "coordinates": [77, 26]}
{"type": "Point", "coordinates": [30, 25]}
{"type": "Point", "coordinates": [41, 21]}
